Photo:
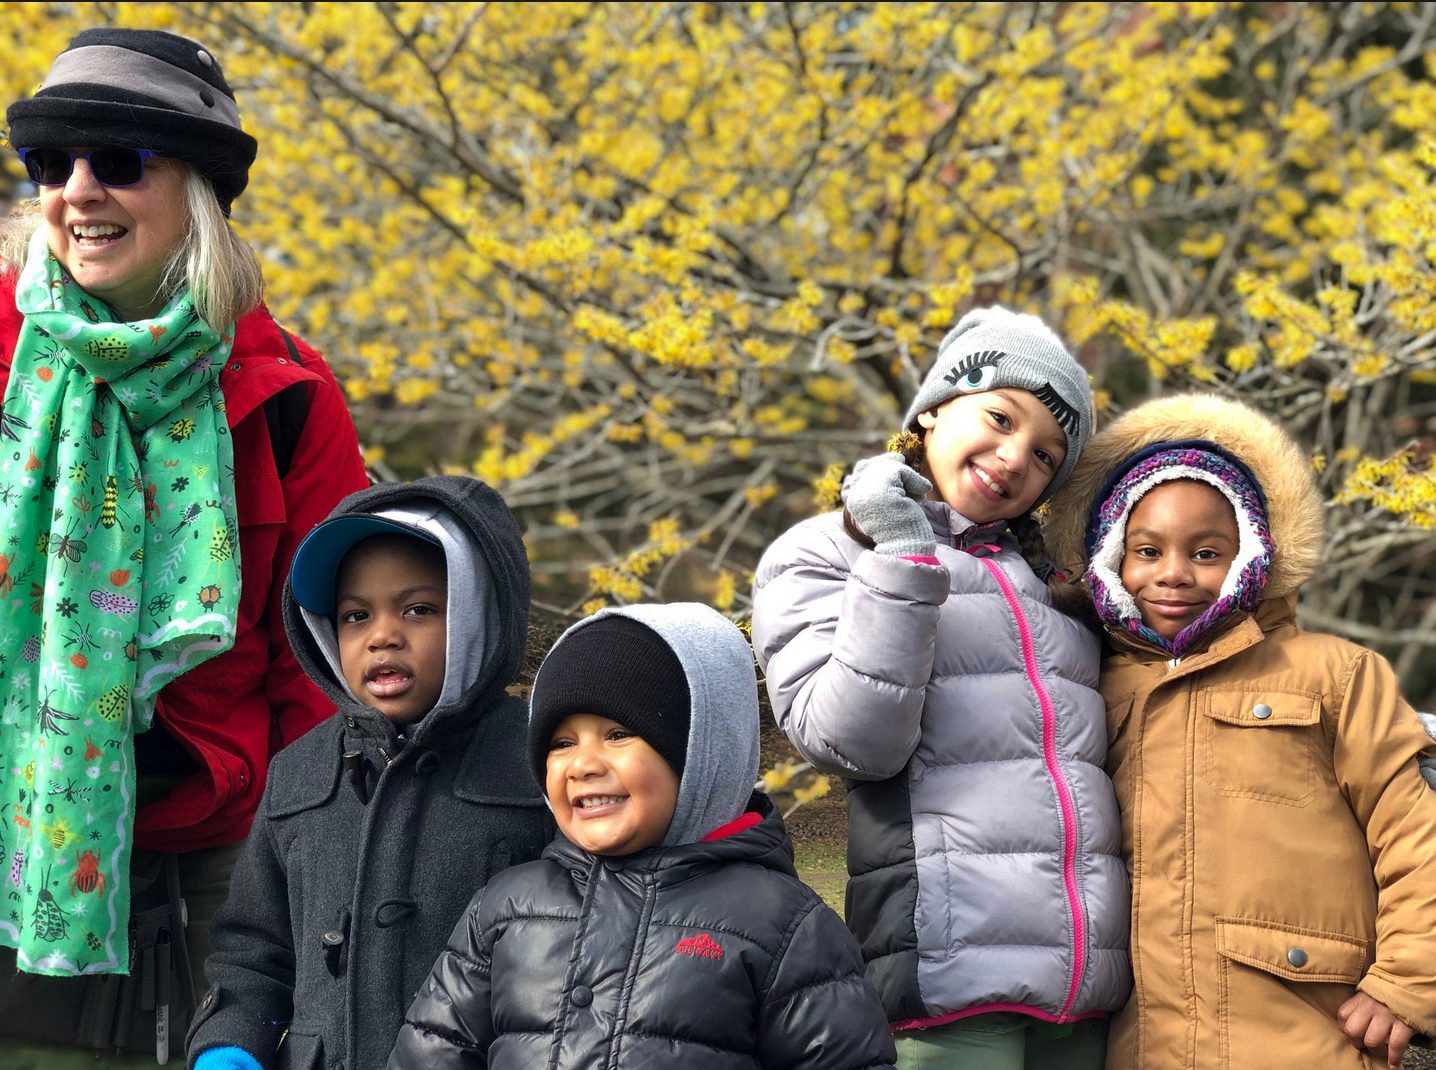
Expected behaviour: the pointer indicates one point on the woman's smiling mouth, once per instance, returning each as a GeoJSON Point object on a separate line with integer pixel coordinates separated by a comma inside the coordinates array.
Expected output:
{"type": "Point", "coordinates": [96, 235]}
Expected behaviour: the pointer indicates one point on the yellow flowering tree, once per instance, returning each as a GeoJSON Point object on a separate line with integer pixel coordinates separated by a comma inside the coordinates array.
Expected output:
{"type": "Point", "coordinates": [652, 269]}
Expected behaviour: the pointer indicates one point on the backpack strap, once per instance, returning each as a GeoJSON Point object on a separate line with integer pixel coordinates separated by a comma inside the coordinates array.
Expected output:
{"type": "Point", "coordinates": [286, 412]}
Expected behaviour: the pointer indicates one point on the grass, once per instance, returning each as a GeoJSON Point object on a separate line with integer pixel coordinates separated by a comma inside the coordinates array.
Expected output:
{"type": "Point", "coordinates": [819, 829]}
{"type": "Point", "coordinates": [823, 868]}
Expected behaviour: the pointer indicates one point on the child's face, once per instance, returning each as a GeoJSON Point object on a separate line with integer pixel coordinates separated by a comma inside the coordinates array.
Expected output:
{"type": "Point", "coordinates": [992, 454]}
{"type": "Point", "coordinates": [391, 598]}
{"type": "Point", "coordinates": [611, 793]}
{"type": "Point", "coordinates": [1181, 540]}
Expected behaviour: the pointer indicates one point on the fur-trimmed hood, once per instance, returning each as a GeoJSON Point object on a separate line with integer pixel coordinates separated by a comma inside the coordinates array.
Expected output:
{"type": "Point", "coordinates": [1281, 467]}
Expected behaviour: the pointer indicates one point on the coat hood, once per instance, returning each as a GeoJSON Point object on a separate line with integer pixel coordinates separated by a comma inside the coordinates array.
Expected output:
{"type": "Point", "coordinates": [1282, 469]}
{"type": "Point", "coordinates": [722, 754]}
{"type": "Point", "coordinates": [488, 581]}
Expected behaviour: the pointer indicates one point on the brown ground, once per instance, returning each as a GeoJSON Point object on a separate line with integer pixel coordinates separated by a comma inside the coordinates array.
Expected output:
{"type": "Point", "coordinates": [819, 829]}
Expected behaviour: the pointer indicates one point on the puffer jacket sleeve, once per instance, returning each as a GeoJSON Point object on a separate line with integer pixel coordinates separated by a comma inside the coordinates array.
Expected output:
{"type": "Point", "coordinates": [1379, 739]}
{"type": "Point", "coordinates": [818, 1012]}
{"type": "Point", "coordinates": [848, 651]}
{"type": "Point", "coordinates": [449, 1024]}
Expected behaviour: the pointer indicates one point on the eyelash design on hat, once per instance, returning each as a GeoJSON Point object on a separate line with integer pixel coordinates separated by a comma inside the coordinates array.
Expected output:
{"type": "Point", "coordinates": [976, 371]}
{"type": "Point", "coordinates": [1068, 418]}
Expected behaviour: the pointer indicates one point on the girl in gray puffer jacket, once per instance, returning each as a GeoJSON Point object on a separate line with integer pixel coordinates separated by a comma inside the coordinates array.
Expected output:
{"type": "Point", "coordinates": [911, 648]}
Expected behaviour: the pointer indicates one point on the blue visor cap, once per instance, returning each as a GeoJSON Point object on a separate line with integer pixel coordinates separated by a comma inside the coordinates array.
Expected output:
{"type": "Point", "coordinates": [316, 562]}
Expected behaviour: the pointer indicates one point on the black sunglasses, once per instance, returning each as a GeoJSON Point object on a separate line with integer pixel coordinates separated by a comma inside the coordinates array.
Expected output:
{"type": "Point", "coordinates": [110, 166]}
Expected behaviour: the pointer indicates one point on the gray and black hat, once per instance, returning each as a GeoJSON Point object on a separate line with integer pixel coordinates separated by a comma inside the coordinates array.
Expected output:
{"type": "Point", "coordinates": [140, 89]}
{"type": "Point", "coordinates": [992, 348]}
{"type": "Point", "coordinates": [618, 668]}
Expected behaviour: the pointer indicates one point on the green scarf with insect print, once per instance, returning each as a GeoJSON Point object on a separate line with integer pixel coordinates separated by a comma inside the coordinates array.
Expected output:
{"type": "Point", "coordinates": [119, 570]}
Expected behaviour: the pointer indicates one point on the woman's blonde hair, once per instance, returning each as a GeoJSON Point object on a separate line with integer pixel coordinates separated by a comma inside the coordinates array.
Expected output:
{"type": "Point", "coordinates": [217, 265]}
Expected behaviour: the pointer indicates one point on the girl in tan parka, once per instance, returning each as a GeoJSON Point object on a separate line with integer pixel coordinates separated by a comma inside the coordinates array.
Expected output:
{"type": "Point", "coordinates": [1280, 836]}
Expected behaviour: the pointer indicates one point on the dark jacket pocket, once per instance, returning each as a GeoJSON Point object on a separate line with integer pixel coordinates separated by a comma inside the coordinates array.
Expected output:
{"type": "Point", "coordinates": [300, 1051]}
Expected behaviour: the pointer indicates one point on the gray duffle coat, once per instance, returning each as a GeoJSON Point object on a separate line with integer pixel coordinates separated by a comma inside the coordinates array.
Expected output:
{"type": "Point", "coordinates": [338, 906]}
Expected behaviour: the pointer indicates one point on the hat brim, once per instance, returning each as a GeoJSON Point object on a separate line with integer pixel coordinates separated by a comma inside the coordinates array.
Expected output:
{"type": "Point", "coordinates": [316, 562]}
{"type": "Point", "coordinates": [222, 153]}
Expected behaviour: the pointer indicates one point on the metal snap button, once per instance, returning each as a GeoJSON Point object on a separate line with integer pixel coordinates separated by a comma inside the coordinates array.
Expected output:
{"type": "Point", "coordinates": [582, 996]}
{"type": "Point", "coordinates": [204, 58]}
{"type": "Point", "coordinates": [1297, 957]}
{"type": "Point", "coordinates": [206, 98]}
{"type": "Point", "coordinates": [1261, 711]}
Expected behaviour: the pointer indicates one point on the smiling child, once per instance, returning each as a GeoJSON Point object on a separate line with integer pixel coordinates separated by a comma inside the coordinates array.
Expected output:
{"type": "Point", "coordinates": [1279, 832]}
{"type": "Point", "coordinates": [665, 925]}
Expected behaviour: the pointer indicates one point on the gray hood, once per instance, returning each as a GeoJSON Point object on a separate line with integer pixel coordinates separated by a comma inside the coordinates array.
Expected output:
{"type": "Point", "coordinates": [722, 760]}
{"type": "Point", "coordinates": [471, 619]}
{"type": "Point", "coordinates": [488, 596]}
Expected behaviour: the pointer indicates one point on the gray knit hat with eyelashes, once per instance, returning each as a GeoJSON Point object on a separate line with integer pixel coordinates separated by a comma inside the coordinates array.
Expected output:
{"type": "Point", "coordinates": [991, 348]}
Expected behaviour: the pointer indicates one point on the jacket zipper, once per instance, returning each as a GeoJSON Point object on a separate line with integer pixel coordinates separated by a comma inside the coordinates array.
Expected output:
{"type": "Point", "coordinates": [1064, 790]}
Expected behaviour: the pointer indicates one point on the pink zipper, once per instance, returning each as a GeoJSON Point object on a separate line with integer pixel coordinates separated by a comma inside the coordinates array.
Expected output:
{"type": "Point", "coordinates": [1064, 792]}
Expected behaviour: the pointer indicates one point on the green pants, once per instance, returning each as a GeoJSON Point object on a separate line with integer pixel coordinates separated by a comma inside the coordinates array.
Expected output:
{"type": "Point", "coordinates": [32, 1005]}
{"type": "Point", "coordinates": [1004, 1042]}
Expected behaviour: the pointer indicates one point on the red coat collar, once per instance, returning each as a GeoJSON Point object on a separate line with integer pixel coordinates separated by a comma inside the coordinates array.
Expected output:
{"type": "Point", "coordinates": [259, 366]}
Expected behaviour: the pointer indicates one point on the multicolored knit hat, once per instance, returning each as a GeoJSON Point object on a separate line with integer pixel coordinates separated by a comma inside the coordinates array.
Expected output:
{"type": "Point", "coordinates": [1197, 460]}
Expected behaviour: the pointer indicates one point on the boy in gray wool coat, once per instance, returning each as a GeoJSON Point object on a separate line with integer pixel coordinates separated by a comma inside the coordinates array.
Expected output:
{"type": "Point", "coordinates": [664, 926]}
{"type": "Point", "coordinates": [409, 607]}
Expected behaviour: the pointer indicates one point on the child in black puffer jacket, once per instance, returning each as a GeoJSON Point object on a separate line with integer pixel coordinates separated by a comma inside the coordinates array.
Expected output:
{"type": "Point", "coordinates": [665, 925]}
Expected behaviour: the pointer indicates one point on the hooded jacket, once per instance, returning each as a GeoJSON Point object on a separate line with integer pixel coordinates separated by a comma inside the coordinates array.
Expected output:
{"type": "Point", "coordinates": [982, 831]}
{"type": "Point", "coordinates": [704, 953]}
{"type": "Point", "coordinates": [1280, 836]}
{"type": "Point", "coordinates": [340, 903]}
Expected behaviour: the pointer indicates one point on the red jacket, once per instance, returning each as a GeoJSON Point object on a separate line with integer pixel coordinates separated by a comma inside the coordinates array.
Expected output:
{"type": "Point", "coordinates": [233, 712]}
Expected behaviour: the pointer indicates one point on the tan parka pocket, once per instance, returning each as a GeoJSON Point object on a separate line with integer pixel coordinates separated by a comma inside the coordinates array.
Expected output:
{"type": "Point", "coordinates": [1260, 744]}
{"type": "Point", "coordinates": [1280, 990]}
{"type": "Point", "coordinates": [1292, 953]}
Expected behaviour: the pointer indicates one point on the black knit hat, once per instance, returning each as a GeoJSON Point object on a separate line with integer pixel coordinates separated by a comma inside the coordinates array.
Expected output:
{"type": "Point", "coordinates": [617, 668]}
{"type": "Point", "coordinates": [140, 89]}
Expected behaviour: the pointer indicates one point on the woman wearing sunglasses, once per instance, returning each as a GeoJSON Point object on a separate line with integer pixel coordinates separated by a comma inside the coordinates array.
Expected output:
{"type": "Point", "coordinates": [161, 440]}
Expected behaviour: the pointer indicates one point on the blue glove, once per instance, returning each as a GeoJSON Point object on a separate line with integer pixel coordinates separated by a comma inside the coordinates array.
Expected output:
{"type": "Point", "coordinates": [882, 497]}
{"type": "Point", "coordinates": [226, 1059]}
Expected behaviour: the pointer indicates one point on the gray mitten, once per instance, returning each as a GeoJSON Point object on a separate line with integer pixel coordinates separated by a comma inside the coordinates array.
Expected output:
{"type": "Point", "coordinates": [882, 497]}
